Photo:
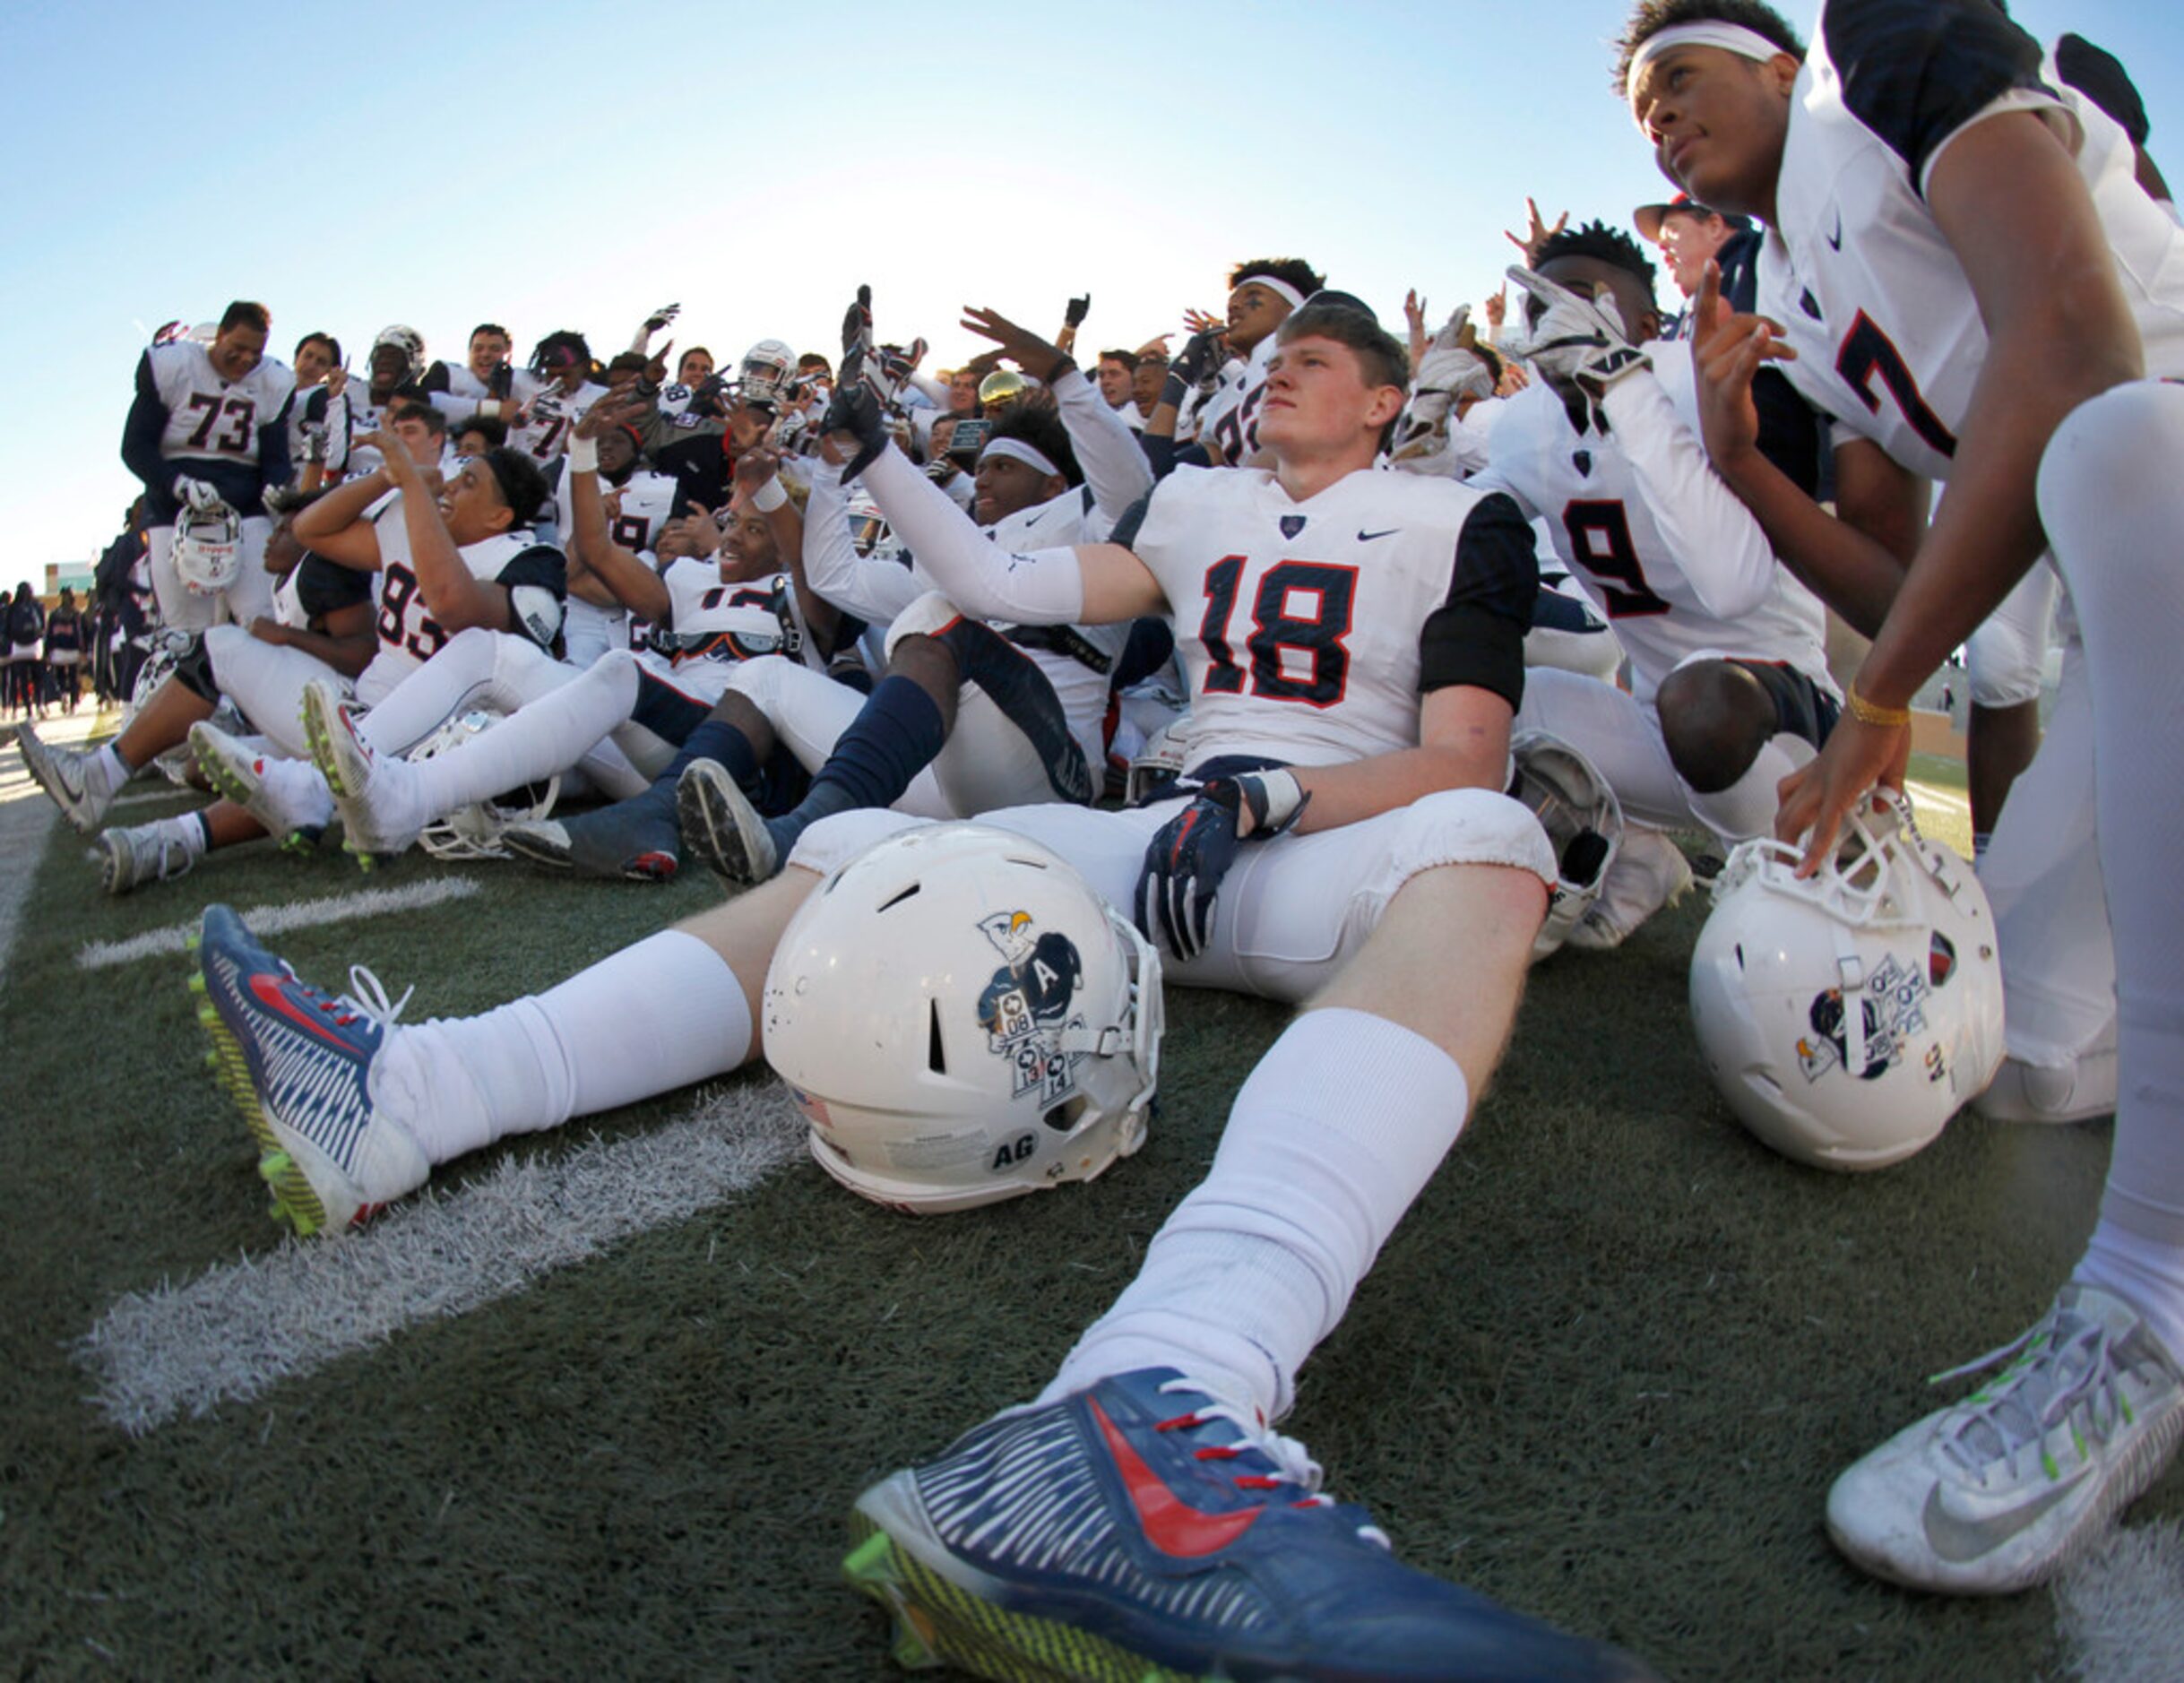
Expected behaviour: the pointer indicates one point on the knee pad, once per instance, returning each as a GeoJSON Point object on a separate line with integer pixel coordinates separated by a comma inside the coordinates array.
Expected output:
{"type": "Point", "coordinates": [1462, 827]}
{"type": "Point", "coordinates": [928, 616]}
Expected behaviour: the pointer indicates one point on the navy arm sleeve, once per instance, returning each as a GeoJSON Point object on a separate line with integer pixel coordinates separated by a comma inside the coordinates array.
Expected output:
{"type": "Point", "coordinates": [140, 442]}
{"type": "Point", "coordinates": [1477, 635]}
{"type": "Point", "coordinates": [1915, 72]}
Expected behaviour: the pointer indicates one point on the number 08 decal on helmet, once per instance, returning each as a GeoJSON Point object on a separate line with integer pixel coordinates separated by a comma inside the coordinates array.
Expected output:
{"type": "Point", "coordinates": [962, 1019]}
{"type": "Point", "coordinates": [1846, 1018]}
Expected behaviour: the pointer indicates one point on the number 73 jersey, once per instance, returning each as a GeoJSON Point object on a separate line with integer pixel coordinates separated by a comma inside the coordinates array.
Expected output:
{"type": "Point", "coordinates": [1298, 623]}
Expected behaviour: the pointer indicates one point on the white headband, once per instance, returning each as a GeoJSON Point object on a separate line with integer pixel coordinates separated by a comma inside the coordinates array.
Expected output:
{"type": "Point", "coordinates": [1020, 451]}
{"type": "Point", "coordinates": [1731, 37]}
{"type": "Point", "coordinates": [1280, 289]}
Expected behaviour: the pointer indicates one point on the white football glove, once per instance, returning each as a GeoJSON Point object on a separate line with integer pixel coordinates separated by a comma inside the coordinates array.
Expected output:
{"type": "Point", "coordinates": [1451, 370]}
{"type": "Point", "coordinates": [1578, 341]}
{"type": "Point", "coordinates": [200, 496]}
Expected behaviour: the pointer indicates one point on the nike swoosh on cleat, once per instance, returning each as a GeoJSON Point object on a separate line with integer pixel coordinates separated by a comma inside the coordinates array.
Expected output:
{"type": "Point", "coordinates": [267, 990]}
{"type": "Point", "coordinates": [1961, 1541]}
{"type": "Point", "coordinates": [1171, 1525]}
{"type": "Point", "coordinates": [1367, 536]}
{"type": "Point", "coordinates": [1834, 240]}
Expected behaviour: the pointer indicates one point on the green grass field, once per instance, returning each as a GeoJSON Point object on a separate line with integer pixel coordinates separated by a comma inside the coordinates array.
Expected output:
{"type": "Point", "coordinates": [1605, 1371]}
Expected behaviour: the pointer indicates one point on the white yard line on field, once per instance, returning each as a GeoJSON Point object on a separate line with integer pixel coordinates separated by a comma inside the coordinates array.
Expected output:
{"type": "Point", "coordinates": [296, 914]}
{"type": "Point", "coordinates": [241, 1328]}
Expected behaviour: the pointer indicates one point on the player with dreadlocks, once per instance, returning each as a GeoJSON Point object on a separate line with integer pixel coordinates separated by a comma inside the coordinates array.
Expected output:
{"type": "Point", "coordinates": [1729, 691]}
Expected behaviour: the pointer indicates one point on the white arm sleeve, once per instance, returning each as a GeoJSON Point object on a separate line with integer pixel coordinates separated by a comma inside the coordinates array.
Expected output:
{"type": "Point", "coordinates": [931, 387]}
{"type": "Point", "coordinates": [875, 591]}
{"type": "Point", "coordinates": [1043, 588]}
{"type": "Point", "coordinates": [1724, 553]}
{"type": "Point", "coordinates": [1114, 463]}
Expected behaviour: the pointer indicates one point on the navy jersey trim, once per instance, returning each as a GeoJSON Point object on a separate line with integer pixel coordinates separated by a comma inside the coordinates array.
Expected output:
{"type": "Point", "coordinates": [1915, 72]}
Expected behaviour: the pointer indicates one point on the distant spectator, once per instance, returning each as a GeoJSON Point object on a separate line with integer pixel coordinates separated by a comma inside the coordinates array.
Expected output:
{"type": "Point", "coordinates": [26, 662]}
{"type": "Point", "coordinates": [66, 634]}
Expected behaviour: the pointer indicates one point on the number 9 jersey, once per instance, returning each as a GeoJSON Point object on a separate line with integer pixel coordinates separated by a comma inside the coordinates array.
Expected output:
{"type": "Point", "coordinates": [1308, 631]}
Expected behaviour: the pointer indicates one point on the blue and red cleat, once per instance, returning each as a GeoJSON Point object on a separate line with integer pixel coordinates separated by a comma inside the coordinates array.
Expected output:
{"type": "Point", "coordinates": [298, 1063]}
{"type": "Point", "coordinates": [1140, 1531]}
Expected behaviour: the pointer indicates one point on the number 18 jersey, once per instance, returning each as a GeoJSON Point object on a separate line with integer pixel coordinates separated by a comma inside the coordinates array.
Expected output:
{"type": "Point", "coordinates": [1298, 624]}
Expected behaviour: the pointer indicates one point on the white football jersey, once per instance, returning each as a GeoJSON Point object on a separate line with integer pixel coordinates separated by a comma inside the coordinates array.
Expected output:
{"type": "Point", "coordinates": [715, 627]}
{"type": "Point", "coordinates": [213, 419]}
{"type": "Point", "coordinates": [1889, 336]}
{"type": "Point", "coordinates": [1635, 513]}
{"type": "Point", "coordinates": [636, 510]}
{"type": "Point", "coordinates": [1297, 624]}
{"type": "Point", "coordinates": [535, 573]}
{"type": "Point", "coordinates": [1231, 418]}
{"type": "Point", "coordinates": [545, 434]}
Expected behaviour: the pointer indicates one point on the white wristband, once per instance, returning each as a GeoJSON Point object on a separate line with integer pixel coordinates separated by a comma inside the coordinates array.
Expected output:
{"type": "Point", "coordinates": [770, 495]}
{"type": "Point", "coordinates": [583, 456]}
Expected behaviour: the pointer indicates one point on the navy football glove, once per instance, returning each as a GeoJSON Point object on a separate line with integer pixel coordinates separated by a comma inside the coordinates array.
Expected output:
{"type": "Point", "coordinates": [855, 408]}
{"type": "Point", "coordinates": [1189, 854]}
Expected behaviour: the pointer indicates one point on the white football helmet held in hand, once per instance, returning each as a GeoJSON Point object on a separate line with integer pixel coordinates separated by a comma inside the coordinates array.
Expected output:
{"type": "Point", "coordinates": [1846, 1018]}
{"type": "Point", "coordinates": [208, 550]}
{"type": "Point", "coordinates": [1582, 820]}
{"type": "Point", "coordinates": [962, 1019]}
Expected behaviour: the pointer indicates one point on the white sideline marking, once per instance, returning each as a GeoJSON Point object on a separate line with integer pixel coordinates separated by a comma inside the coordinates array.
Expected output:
{"type": "Point", "coordinates": [236, 1332]}
{"type": "Point", "coordinates": [299, 914]}
{"type": "Point", "coordinates": [2122, 1608]}
{"type": "Point", "coordinates": [26, 826]}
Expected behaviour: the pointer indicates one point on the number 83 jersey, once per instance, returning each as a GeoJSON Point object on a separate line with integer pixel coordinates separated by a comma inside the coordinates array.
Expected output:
{"type": "Point", "coordinates": [1298, 624]}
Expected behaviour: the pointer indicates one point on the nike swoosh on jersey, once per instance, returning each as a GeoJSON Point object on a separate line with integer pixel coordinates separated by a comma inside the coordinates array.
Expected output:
{"type": "Point", "coordinates": [1171, 1525]}
{"type": "Point", "coordinates": [269, 992]}
{"type": "Point", "coordinates": [1834, 240]}
{"type": "Point", "coordinates": [1961, 1541]}
{"type": "Point", "coordinates": [1367, 536]}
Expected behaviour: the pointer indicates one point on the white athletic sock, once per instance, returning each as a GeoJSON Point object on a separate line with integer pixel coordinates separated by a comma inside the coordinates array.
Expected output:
{"type": "Point", "coordinates": [1746, 808]}
{"type": "Point", "coordinates": [530, 745]}
{"type": "Point", "coordinates": [2147, 1275]}
{"type": "Point", "coordinates": [1342, 1122]}
{"type": "Point", "coordinates": [106, 771]}
{"type": "Point", "coordinates": [646, 1020]}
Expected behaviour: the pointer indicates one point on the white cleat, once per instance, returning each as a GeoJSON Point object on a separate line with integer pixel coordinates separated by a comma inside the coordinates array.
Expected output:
{"type": "Point", "coordinates": [71, 777]}
{"type": "Point", "coordinates": [142, 853]}
{"type": "Point", "coordinates": [2008, 1487]}
{"type": "Point", "coordinates": [356, 776]}
{"type": "Point", "coordinates": [1649, 874]}
{"type": "Point", "coordinates": [286, 796]}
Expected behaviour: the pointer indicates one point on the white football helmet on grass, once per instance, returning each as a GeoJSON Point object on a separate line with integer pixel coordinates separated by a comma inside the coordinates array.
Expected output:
{"type": "Point", "coordinates": [473, 832]}
{"type": "Point", "coordinates": [962, 1019]}
{"type": "Point", "coordinates": [1847, 1017]}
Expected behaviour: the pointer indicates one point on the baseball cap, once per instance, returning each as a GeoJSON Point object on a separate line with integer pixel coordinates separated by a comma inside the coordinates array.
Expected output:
{"type": "Point", "coordinates": [1647, 218]}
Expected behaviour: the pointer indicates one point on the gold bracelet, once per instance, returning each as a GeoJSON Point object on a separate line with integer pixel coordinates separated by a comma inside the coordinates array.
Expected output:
{"type": "Point", "coordinates": [1870, 714]}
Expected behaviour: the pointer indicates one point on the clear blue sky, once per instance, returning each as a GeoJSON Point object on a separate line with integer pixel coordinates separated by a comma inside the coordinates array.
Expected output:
{"type": "Point", "coordinates": [551, 165]}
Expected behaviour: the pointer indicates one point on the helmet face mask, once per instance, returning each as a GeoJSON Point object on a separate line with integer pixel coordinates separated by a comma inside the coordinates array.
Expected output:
{"type": "Point", "coordinates": [1583, 819]}
{"type": "Point", "coordinates": [411, 343]}
{"type": "Point", "coordinates": [208, 550]}
{"type": "Point", "coordinates": [473, 832]}
{"type": "Point", "coordinates": [1846, 1017]}
{"type": "Point", "coordinates": [961, 1019]}
{"type": "Point", "coordinates": [767, 374]}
